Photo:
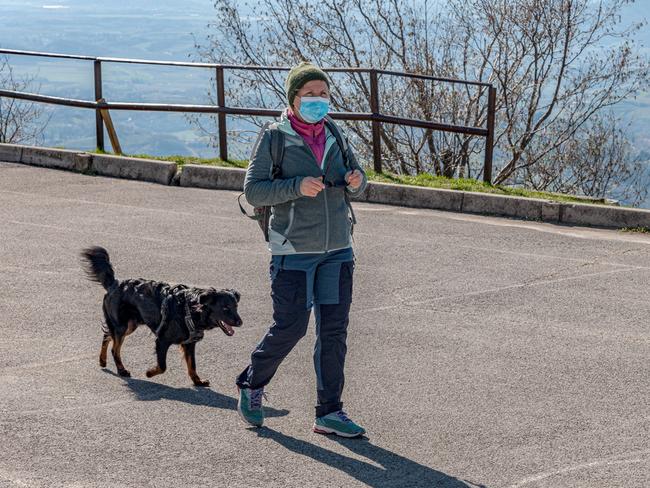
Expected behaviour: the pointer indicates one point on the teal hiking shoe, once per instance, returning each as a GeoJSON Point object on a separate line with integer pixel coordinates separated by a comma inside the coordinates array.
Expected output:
{"type": "Point", "coordinates": [338, 423]}
{"type": "Point", "coordinates": [249, 406]}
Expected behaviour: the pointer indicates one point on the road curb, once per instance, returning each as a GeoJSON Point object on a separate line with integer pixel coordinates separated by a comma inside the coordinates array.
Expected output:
{"type": "Point", "coordinates": [46, 157]}
{"type": "Point", "coordinates": [412, 196]}
{"type": "Point", "coordinates": [99, 164]}
{"type": "Point", "coordinates": [134, 168]}
{"type": "Point", "coordinates": [604, 216]}
{"type": "Point", "coordinates": [220, 178]}
{"type": "Point", "coordinates": [505, 205]}
{"type": "Point", "coordinates": [12, 153]}
{"type": "Point", "coordinates": [56, 158]}
{"type": "Point", "coordinates": [211, 177]}
{"type": "Point", "coordinates": [584, 214]}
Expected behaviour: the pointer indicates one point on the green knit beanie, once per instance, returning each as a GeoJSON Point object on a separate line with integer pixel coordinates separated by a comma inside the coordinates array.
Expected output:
{"type": "Point", "coordinates": [301, 74]}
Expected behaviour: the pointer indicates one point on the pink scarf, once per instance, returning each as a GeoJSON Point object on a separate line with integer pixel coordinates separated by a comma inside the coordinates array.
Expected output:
{"type": "Point", "coordinates": [313, 134]}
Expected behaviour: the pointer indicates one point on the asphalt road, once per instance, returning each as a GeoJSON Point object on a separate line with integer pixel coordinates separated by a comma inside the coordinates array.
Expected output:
{"type": "Point", "coordinates": [482, 351]}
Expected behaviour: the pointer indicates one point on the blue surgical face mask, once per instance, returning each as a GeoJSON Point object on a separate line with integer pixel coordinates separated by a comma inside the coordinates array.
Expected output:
{"type": "Point", "coordinates": [313, 109]}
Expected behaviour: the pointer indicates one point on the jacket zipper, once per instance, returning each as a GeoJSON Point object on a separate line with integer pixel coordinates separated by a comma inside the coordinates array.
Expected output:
{"type": "Point", "coordinates": [327, 218]}
{"type": "Point", "coordinates": [327, 213]}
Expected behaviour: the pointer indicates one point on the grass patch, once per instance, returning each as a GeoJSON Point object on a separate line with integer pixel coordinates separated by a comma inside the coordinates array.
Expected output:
{"type": "Point", "coordinates": [637, 230]}
{"type": "Point", "coordinates": [469, 184]}
{"type": "Point", "coordinates": [183, 160]}
{"type": "Point", "coordinates": [425, 179]}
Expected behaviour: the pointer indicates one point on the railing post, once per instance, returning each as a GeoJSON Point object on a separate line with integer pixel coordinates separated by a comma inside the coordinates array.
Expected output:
{"type": "Point", "coordinates": [110, 128]}
{"type": "Point", "coordinates": [376, 125]}
{"type": "Point", "coordinates": [221, 102]}
{"type": "Point", "coordinates": [489, 140]}
{"type": "Point", "coordinates": [99, 123]}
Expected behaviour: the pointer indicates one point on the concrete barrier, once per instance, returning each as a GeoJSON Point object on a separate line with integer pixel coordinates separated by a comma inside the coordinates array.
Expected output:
{"type": "Point", "coordinates": [56, 158]}
{"type": "Point", "coordinates": [551, 211]}
{"type": "Point", "coordinates": [604, 216]}
{"type": "Point", "coordinates": [134, 168]}
{"type": "Point", "coordinates": [413, 196]}
{"type": "Point", "coordinates": [11, 153]}
{"type": "Point", "coordinates": [220, 178]}
{"type": "Point", "coordinates": [507, 206]}
{"type": "Point", "coordinates": [212, 177]}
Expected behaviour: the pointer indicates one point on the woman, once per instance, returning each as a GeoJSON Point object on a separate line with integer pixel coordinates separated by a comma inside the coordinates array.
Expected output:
{"type": "Point", "coordinates": [310, 241]}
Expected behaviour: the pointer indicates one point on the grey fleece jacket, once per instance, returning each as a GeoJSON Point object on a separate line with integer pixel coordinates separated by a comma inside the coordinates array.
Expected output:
{"type": "Point", "coordinates": [302, 224]}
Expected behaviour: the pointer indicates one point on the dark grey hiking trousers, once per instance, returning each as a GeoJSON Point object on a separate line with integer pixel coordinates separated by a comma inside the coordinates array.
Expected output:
{"type": "Point", "coordinates": [297, 281]}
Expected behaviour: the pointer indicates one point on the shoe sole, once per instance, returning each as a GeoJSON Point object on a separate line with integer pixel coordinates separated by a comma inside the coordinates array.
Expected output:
{"type": "Point", "coordinates": [243, 417]}
{"type": "Point", "coordinates": [328, 431]}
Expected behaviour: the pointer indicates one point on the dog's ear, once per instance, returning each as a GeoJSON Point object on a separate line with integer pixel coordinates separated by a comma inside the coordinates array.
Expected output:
{"type": "Point", "coordinates": [202, 301]}
{"type": "Point", "coordinates": [235, 293]}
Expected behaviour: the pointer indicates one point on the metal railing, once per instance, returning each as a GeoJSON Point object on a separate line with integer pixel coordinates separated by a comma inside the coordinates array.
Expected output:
{"type": "Point", "coordinates": [221, 109]}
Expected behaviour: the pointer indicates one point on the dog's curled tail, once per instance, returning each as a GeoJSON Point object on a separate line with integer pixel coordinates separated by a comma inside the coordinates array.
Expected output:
{"type": "Point", "coordinates": [98, 266]}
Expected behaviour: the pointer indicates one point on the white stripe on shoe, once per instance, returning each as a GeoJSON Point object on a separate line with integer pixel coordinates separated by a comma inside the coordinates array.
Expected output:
{"type": "Point", "coordinates": [319, 429]}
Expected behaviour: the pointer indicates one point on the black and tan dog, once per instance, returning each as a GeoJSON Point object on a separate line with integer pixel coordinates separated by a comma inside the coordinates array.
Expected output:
{"type": "Point", "coordinates": [176, 314]}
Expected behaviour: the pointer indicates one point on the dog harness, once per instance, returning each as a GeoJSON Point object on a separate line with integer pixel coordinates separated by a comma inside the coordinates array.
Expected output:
{"type": "Point", "coordinates": [195, 335]}
{"type": "Point", "coordinates": [163, 320]}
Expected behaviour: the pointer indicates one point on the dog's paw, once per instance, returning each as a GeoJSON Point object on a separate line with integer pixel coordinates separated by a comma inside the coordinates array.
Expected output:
{"type": "Point", "coordinates": [154, 371]}
{"type": "Point", "coordinates": [202, 383]}
{"type": "Point", "coordinates": [102, 363]}
{"type": "Point", "coordinates": [123, 372]}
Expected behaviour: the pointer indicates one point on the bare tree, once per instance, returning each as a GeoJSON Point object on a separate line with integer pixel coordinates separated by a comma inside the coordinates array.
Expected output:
{"type": "Point", "coordinates": [597, 161]}
{"type": "Point", "coordinates": [557, 65]}
{"type": "Point", "coordinates": [351, 33]}
{"type": "Point", "coordinates": [20, 122]}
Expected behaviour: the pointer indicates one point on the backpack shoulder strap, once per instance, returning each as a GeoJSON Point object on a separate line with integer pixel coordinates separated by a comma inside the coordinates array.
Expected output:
{"type": "Point", "coordinates": [341, 140]}
{"type": "Point", "coordinates": [277, 151]}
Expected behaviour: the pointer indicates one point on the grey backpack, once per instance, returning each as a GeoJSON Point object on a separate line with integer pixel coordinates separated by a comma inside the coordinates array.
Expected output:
{"type": "Point", "coordinates": [262, 215]}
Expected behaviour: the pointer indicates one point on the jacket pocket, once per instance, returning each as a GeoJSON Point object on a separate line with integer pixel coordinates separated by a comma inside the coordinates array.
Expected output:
{"type": "Point", "coordinates": [292, 212]}
{"type": "Point", "coordinates": [279, 217]}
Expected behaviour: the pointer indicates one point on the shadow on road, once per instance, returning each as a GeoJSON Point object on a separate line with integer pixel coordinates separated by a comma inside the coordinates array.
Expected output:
{"type": "Point", "coordinates": [393, 471]}
{"type": "Point", "coordinates": [149, 391]}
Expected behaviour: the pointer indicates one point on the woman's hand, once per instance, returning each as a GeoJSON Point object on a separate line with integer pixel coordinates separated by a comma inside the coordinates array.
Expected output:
{"type": "Point", "coordinates": [310, 186]}
{"type": "Point", "coordinates": [354, 178]}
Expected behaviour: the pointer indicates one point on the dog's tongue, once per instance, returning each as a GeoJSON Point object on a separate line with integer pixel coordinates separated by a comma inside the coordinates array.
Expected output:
{"type": "Point", "coordinates": [229, 331]}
